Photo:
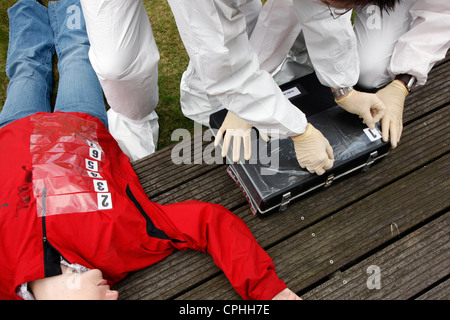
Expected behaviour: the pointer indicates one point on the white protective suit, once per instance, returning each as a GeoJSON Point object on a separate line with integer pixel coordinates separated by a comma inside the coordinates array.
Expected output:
{"type": "Point", "coordinates": [224, 70]}
{"type": "Point", "coordinates": [425, 42]}
{"type": "Point", "coordinates": [409, 40]}
{"type": "Point", "coordinates": [296, 37]}
{"type": "Point", "coordinates": [252, 93]}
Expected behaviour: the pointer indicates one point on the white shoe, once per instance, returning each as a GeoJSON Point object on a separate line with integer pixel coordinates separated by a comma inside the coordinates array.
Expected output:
{"type": "Point", "coordinates": [136, 138]}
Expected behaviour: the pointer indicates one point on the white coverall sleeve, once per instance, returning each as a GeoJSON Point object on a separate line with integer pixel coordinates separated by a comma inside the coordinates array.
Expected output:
{"type": "Point", "coordinates": [331, 44]}
{"type": "Point", "coordinates": [214, 34]}
{"type": "Point", "coordinates": [426, 42]}
{"type": "Point", "coordinates": [276, 30]}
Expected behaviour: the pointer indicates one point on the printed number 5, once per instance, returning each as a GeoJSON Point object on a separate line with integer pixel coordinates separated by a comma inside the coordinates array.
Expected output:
{"type": "Point", "coordinates": [91, 165]}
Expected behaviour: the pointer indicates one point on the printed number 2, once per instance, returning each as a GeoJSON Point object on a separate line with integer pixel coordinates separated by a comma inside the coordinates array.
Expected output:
{"type": "Point", "coordinates": [104, 201]}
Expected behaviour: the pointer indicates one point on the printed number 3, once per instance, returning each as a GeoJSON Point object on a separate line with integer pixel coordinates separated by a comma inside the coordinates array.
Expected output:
{"type": "Point", "coordinates": [100, 186]}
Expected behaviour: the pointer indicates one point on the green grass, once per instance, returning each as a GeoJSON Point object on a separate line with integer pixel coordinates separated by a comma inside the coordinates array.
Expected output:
{"type": "Point", "coordinates": [174, 61]}
{"type": "Point", "coordinates": [4, 29]}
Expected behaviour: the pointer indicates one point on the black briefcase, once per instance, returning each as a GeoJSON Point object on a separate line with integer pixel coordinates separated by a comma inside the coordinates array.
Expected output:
{"type": "Point", "coordinates": [272, 178]}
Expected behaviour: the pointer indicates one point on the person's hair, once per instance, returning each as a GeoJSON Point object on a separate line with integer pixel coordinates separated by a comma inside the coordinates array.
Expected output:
{"type": "Point", "coordinates": [386, 5]}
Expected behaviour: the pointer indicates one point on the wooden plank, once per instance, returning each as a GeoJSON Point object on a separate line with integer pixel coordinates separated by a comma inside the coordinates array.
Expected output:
{"type": "Point", "coordinates": [158, 173]}
{"type": "Point", "coordinates": [434, 93]}
{"type": "Point", "coordinates": [274, 228]}
{"type": "Point", "coordinates": [439, 292]}
{"type": "Point", "coordinates": [171, 177]}
{"type": "Point", "coordinates": [404, 268]}
{"type": "Point", "coordinates": [324, 248]}
{"type": "Point", "coordinates": [422, 140]}
{"type": "Point", "coordinates": [183, 268]}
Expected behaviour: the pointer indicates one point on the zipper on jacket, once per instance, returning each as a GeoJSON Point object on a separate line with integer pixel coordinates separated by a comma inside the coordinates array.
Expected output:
{"type": "Point", "coordinates": [52, 258]}
{"type": "Point", "coordinates": [152, 230]}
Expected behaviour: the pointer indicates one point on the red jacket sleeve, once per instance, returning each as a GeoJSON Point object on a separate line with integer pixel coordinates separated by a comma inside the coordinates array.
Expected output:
{"type": "Point", "coordinates": [213, 229]}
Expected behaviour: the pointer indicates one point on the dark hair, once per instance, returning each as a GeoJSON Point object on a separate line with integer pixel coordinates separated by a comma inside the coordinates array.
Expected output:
{"type": "Point", "coordinates": [386, 5]}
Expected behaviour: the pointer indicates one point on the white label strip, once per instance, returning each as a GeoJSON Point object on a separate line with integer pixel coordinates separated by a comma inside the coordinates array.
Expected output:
{"type": "Point", "coordinates": [372, 134]}
{"type": "Point", "coordinates": [292, 92]}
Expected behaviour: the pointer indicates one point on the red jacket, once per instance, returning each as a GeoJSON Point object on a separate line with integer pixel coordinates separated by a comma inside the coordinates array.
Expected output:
{"type": "Point", "coordinates": [67, 191]}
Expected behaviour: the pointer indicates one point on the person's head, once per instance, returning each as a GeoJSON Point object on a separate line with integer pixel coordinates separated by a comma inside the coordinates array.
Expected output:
{"type": "Point", "coordinates": [350, 4]}
{"type": "Point", "coordinates": [89, 285]}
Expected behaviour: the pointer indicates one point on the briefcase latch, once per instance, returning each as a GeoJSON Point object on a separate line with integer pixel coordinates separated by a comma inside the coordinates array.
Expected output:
{"type": "Point", "coordinates": [329, 180]}
{"type": "Point", "coordinates": [370, 160]}
{"type": "Point", "coordinates": [285, 201]}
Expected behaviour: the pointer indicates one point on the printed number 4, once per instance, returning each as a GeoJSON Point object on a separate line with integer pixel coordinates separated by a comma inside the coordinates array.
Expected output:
{"type": "Point", "coordinates": [104, 201]}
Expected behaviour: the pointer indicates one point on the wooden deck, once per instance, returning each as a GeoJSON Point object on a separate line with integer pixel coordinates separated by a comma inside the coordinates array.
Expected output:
{"type": "Point", "coordinates": [390, 224]}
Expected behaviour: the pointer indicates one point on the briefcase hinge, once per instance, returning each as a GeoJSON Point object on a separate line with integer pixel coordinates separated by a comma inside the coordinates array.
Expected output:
{"type": "Point", "coordinates": [285, 201]}
{"type": "Point", "coordinates": [370, 160]}
{"type": "Point", "coordinates": [329, 180]}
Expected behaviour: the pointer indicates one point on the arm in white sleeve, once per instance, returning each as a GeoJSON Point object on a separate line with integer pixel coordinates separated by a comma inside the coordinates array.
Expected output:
{"type": "Point", "coordinates": [275, 32]}
{"type": "Point", "coordinates": [214, 34]}
{"type": "Point", "coordinates": [426, 42]}
{"type": "Point", "coordinates": [331, 44]}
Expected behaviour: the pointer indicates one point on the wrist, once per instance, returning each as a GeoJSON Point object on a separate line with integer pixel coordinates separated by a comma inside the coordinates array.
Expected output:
{"type": "Point", "coordinates": [306, 133]}
{"type": "Point", "coordinates": [408, 81]}
{"type": "Point", "coordinates": [339, 93]}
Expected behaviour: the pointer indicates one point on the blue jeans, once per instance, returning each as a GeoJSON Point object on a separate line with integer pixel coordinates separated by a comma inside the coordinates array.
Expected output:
{"type": "Point", "coordinates": [36, 33]}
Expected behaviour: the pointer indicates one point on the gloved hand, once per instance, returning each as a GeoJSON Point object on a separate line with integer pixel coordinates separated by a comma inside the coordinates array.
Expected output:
{"type": "Point", "coordinates": [313, 151]}
{"type": "Point", "coordinates": [366, 105]}
{"type": "Point", "coordinates": [236, 128]}
{"type": "Point", "coordinates": [393, 97]}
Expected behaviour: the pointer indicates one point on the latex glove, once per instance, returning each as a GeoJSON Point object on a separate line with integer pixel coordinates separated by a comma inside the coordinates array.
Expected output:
{"type": "Point", "coordinates": [236, 129]}
{"type": "Point", "coordinates": [366, 105]}
{"type": "Point", "coordinates": [393, 97]}
{"type": "Point", "coordinates": [313, 151]}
